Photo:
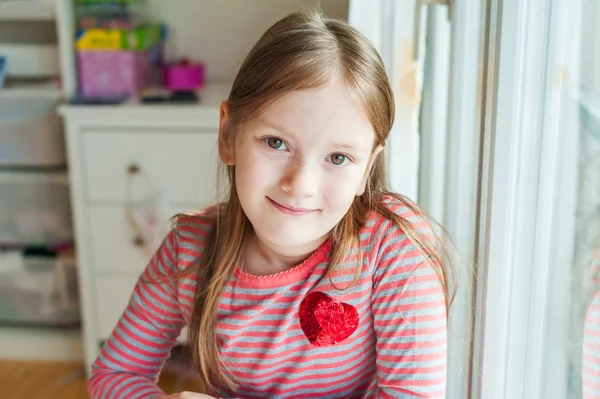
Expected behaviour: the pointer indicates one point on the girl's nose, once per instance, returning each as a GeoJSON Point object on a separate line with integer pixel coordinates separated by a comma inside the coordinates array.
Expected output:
{"type": "Point", "coordinates": [299, 180]}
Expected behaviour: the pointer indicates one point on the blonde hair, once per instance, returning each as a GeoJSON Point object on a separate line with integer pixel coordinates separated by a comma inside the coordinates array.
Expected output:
{"type": "Point", "coordinates": [304, 50]}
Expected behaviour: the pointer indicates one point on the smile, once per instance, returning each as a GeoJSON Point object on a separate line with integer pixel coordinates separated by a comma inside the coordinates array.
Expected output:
{"type": "Point", "coordinates": [289, 210]}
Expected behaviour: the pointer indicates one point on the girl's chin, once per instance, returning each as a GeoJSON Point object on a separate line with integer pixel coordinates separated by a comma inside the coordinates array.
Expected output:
{"type": "Point", "coordinates": [284, 238]}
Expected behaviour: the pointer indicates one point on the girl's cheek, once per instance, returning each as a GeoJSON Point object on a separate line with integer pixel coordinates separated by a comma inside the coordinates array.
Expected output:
{"type": "Point", "coordinates": [337, 182]}
{"type": "Point", "coordinates": [343, 174]}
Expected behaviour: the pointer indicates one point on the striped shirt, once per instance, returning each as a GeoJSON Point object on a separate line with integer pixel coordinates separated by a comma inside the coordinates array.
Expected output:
{"type": "Point", "coordinates": [591, 342]}
{"type": "Point", "coordinates": [292, 334]}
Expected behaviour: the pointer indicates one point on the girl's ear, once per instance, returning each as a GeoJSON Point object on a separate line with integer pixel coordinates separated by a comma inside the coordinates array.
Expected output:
{"type": "Point", "coordinates": [363, 183]}
{"type": "Point", "coordinates": [225, 140]}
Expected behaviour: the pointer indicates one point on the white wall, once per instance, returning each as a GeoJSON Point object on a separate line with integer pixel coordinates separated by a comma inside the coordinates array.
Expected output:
{"type": "Point", "coordinates": [221, 32]}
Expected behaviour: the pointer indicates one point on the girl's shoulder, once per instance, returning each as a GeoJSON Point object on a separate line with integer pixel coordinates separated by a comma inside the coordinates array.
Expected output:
{"type": "Point", "coordinates": [395, 213]}
{"type": "Point", "coordinates": [403, 242]}
{"type": "Point", "coordinates": [203, 216]}
{"type": "Point", "coordinates": [192, 230]}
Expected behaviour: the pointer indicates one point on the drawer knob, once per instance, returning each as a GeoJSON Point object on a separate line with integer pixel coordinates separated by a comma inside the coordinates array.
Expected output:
{"type": "Point", "coordinates": [133, 169]}
{"type": "Point", "coordinates": [138, 241]}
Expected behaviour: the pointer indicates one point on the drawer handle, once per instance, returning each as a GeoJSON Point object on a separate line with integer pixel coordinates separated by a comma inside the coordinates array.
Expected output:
{"type": "Point", "coordinates": [139, 241]}
{"type": "Point", "coordinates": [133, 169]}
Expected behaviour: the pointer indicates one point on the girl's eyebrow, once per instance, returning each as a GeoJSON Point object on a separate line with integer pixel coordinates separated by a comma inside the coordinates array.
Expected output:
{"type": "Point", "coordinates": [274, 126]}
{"type": "Point", "coordinates": [344, 146]}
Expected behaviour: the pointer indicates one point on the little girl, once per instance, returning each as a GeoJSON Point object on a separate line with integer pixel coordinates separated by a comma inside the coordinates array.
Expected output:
{"type": "Point", "coordinates": [311, 279]}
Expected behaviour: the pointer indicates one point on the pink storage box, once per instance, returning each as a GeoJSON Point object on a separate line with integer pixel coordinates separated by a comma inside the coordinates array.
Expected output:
{"type": "Point", "coordinates": [105, 73]}
{"type": "Point", "coordinates": [183, 76]}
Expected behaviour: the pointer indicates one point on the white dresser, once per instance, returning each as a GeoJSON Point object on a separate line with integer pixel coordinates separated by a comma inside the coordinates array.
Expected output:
{"type": "Point", "coordinates": [172, 148]}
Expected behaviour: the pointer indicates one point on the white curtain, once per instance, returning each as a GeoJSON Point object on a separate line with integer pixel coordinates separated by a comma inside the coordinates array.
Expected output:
{"type": "Point", "coordinates": [432, 149]}
{"type": "Point", "coordinates": [389, 25]}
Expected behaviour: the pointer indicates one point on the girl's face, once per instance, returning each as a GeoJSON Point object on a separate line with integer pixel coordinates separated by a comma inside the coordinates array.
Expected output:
{"type": "Point", "coordinates": [300, 164]}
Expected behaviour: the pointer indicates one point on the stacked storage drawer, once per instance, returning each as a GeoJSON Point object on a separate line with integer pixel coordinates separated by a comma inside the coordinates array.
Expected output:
{"type": "Point", "coordinates": [38, 282]}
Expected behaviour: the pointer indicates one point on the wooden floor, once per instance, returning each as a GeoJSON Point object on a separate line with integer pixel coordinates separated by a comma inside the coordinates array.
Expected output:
{"type": "Point", "coordinates": [37, 380]}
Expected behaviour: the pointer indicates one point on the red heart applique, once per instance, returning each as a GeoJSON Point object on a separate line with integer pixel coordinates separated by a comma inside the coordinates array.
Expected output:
{"type": "Point", "coordinates": [326, 321]}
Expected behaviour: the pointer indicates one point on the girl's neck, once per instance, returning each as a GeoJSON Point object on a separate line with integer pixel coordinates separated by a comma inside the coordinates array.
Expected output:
{"type": "Point", "coordinates": [263, 258]}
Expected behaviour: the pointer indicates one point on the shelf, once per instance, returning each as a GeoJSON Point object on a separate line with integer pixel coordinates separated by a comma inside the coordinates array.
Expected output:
{"type": "Point", "coordinates": [36, 176]}
{"type": "Point", "coordinates": [31, 60]}
{"type": "Point", "coordinates": [211, 97]}
{"type": "Point", "coordinates": [40, 344]}
{"type": "Point", "coordinates": [25, 90]}
{"type": "Point", "coordinates": [27, 10]}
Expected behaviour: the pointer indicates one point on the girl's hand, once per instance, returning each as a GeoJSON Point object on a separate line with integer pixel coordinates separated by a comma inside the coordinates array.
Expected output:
{"type": "Point", "coordinates": [187, 395]}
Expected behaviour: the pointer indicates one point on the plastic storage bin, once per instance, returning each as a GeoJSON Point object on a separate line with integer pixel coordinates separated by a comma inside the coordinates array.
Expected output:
{"type": "Point", "coordinates": [31, 133]}
{"type": "Point", "coordinates": [35, 208]}
{"type": "Point", "coordinates": [38, 290]}
{"type": "Point", "coordinates": [110, 73]}
{"type": "Point", "coordinates": [31, 60]}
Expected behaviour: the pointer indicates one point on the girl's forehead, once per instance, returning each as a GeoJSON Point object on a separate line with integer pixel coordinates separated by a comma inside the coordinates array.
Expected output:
{"type": "Point", "coordinates": [329, 111]}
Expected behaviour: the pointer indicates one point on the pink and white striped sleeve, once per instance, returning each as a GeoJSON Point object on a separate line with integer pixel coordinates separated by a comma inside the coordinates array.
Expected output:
{"type": "Point", "coordinates": [132, 357]}
{"type": "Point", "coordinates": [591, 344]}
{"type": "Point", "coordinates": [408, 305]}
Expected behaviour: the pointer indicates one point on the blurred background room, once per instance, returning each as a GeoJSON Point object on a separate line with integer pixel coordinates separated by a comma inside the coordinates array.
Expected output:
{"type": "Point", "coordinates": [497, 136]}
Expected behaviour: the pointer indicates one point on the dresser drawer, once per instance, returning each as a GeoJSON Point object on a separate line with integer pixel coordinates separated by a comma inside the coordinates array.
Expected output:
{"type": "Point", "coordinates": [181, 164]}
{"type": "Point", "coordinates": [112, 240]}
{"type": "Point", "coordinates": [112, 297]}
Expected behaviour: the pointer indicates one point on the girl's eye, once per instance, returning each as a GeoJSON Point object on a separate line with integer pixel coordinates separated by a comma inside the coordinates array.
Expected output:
{"type": "Point", "coordinates": [275, 143]}
{"type": "Point", "coordinates": [338, 159]}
